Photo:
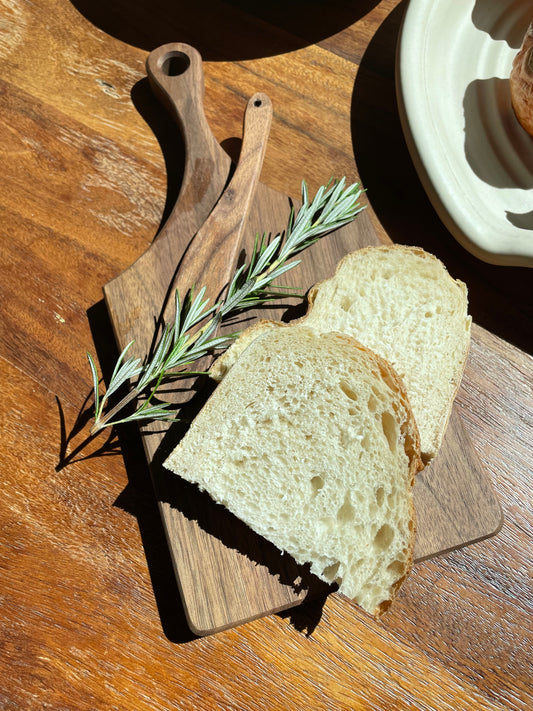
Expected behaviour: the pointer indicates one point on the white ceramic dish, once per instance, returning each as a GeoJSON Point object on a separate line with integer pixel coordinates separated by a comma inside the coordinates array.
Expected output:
{"type": "Point", "coordinates": [473, 157]}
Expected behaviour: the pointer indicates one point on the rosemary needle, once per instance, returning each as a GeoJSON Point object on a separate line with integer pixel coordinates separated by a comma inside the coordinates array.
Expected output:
{"type": "Point", "coordinates": [191, 335]}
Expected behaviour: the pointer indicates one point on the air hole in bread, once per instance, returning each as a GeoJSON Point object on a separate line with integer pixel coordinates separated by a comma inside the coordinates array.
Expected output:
{"type": "Point", "coordinates": [357, 565]}
{"type": "Point", "coordinates": [384, 537]}
{"type": "Point", "coordinates": [348, 390]}
{"type": "Point", "coordinates": [390, 430]}
{"type": "Point", "coordinates": [330, 572]}
{"type": "Point", "coordinates": [373, 403]}
{"type": "Point", "coordinates": [317, 483]}
{"type": "Point", "coordinates": [397, 568]}
{"type": "Point", "coordinates": [380, 496]}
{"type": "Point", "coordinates": [392, 500]}
{"type": "Point", "coordinates": [359, 496]}
{"type": "Point", "coordinates": [346, 513]}
{"type": "Point", "coordinates": [298, 364]}
{"type": "Point", "coordinates": [346, 303]}
{"type": "Point", "coordinates": [328, 522]}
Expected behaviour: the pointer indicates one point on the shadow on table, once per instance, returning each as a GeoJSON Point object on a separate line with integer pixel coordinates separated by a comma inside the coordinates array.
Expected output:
{"type": "Point", "coordinates": [499, 297]}
{"type": "Point", "coordinates": [225, 31]}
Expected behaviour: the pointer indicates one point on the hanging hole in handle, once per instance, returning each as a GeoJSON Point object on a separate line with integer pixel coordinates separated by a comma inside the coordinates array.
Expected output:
{"type": "Point", "coordinates": [175, 63]}
{"type": "Point", "coordinates": [258, 102]}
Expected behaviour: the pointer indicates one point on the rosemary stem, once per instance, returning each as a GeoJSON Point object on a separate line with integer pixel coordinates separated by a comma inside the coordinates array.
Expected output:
{"type": "Point", "coordinates": [101, 422]}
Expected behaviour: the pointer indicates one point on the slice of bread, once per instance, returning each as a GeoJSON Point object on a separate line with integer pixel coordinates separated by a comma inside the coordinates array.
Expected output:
{"type": "Point", "coordinates": [401, 303]}
{"type": "Point", "coordinates": [310, 440]}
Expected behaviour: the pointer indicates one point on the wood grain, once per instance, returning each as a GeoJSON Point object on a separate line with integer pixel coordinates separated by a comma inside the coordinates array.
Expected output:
{"type": "Point", "coordinates": [91, 617]}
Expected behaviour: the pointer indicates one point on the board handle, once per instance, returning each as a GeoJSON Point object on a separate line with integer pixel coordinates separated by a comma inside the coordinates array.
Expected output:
{"type": "Point", "coordinates": [176, 77]}
{"type": "Point", "coordinates": [211, 257]}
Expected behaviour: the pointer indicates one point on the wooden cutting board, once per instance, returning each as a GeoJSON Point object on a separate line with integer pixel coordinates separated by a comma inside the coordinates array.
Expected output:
{"type": "Point", "coordinates": [226, 574]}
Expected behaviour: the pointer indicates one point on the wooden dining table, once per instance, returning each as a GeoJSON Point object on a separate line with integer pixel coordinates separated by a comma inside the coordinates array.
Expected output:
{"type": "Point", "coordinates": [91, 164]}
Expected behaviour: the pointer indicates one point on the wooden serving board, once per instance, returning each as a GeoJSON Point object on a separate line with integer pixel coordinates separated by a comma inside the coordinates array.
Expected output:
{"type": "Point", "coordinates": [228, 575]}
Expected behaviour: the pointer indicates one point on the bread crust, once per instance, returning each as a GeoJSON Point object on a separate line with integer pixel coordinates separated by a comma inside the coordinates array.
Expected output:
{"type": "Point", "coordinates": [521, 82]}
{"type": "Point", "coordinates": [416, 465]}
{"type": "Point", "coordinates": [226, 359]}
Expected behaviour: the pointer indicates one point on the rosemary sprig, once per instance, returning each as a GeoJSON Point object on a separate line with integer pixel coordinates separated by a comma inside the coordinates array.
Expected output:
{"type": "Point", "coordinates": [185, 341]}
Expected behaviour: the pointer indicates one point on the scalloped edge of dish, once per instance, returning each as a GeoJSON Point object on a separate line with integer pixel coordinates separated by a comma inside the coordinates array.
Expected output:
{"type": "Point", "coordinates": [499, 253]}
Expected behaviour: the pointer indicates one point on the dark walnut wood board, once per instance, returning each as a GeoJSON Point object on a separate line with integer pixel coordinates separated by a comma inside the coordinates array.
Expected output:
{"type": "Point", "coordinates": [228, 575]}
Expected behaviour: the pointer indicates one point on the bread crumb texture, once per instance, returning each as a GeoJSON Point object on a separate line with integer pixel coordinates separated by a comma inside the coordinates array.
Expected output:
{"type": "Point", "coordinates": [311, 441]}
